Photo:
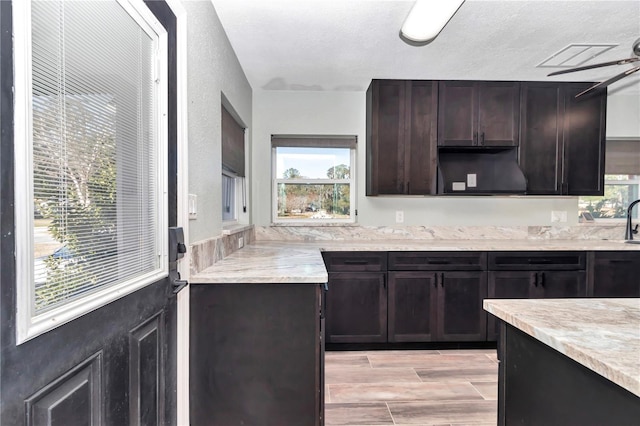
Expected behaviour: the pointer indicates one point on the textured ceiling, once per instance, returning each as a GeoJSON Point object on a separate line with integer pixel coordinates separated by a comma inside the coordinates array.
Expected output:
{"type": "Point", "coordinates": [343, 44]}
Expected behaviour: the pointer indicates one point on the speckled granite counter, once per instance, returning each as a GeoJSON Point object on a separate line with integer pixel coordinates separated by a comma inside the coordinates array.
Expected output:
{"type": "Point", "coordinates": [301, 262]}
{"type": "Point", "coordinates": [601, 334]}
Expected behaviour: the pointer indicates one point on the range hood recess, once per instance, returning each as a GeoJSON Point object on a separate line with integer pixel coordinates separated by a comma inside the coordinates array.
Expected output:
{"type": "Point", "coordinates": [480, 171]}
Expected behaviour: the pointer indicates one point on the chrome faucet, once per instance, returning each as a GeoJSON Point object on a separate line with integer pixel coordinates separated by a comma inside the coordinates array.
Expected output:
{"type": "Point", "coordinates": [628, 235]}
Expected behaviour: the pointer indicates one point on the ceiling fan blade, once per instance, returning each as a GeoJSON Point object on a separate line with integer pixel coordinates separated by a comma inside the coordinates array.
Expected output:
{"type": "Point", "coordinates": [612, 80]}
{"type": "Point", "coordinates": [588, 67]}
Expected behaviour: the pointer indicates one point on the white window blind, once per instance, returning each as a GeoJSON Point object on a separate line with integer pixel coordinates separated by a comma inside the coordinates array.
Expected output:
{"type": "Point", "coordinates": [97, 183]}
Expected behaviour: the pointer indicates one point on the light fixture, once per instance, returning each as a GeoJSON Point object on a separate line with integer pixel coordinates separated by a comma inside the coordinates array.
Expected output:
{"type": "Point", "coordinates": [427, 18]}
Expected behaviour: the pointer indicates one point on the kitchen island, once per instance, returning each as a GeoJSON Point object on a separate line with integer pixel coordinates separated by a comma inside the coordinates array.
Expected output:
{"type": "Point", "coordinates": [568, 361]}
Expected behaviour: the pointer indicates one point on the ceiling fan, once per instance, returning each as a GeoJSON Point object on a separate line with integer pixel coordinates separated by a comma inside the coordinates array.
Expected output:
{"type": "Point", "coordinates": [636, 52]}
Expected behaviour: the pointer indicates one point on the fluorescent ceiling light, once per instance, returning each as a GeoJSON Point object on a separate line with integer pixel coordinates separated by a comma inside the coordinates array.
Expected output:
{"type": "Point", "coordinates": [427, 18]}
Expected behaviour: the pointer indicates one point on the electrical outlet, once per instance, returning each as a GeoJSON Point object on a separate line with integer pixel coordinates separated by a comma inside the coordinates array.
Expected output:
{"type": "Point", "coordinates": [240, 242]}
{"type": "Point", "coordinates": [399, 216]}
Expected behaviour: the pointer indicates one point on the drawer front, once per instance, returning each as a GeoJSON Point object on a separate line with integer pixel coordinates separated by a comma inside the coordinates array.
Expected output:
{"type": "Point", "coordinates": [355, 261]}
{"type": "Point", "coordinates": [617, 258]}
{"type": "Point", "coordinates": [437, 261]}
{"type": "Point", "coordinates": [536, 261]}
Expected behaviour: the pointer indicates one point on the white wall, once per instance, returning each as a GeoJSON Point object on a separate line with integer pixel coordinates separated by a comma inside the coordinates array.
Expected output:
{"type": "Point", "coordinates": [623, 116]}
{"type": "Point", "coordinates": [282, 112]}
{"type": "Point", "coordinates": [213, 69]}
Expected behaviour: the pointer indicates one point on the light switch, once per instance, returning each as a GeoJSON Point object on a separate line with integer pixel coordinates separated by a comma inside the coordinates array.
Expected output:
{"type": "Point", "coordinates": [193, 206]}
{"type": "Point", "coordinates": [471, 180]}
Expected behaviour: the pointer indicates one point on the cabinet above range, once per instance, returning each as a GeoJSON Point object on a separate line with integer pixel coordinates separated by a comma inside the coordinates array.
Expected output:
{"type": "Point", "coordinates": [470, 137]}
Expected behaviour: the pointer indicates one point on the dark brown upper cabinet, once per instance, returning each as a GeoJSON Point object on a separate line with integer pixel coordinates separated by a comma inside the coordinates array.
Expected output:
{"type": "Point", "coordinates": [562, 140]}
{"type": "Point", "coordinates": [474, 113]}
{"type": "Point", "coordinates": [401, 137]}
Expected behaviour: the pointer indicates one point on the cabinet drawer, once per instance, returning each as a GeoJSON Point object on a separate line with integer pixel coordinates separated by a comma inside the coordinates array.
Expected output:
{"type": "Point", "coordinates": [536, 261]}
{"type": "Point", "coordinates": [437, 261]}
{"type": "Point", "coordinates": [614, 258]}
{"type": "Point", "coordinates": [355, 261]}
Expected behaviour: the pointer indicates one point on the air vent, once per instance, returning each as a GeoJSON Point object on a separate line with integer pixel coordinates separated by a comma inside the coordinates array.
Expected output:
{"type": "Point", "coordinates": [575, 55]}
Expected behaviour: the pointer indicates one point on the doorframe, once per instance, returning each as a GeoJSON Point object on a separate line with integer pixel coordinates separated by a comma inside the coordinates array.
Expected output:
{"type": "Point", "coordinates": [182, 325]}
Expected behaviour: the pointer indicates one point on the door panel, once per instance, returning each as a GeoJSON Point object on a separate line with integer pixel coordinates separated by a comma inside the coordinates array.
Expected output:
{"type": "Point", "coordinates": [508, 285]}
{"type": "Point", "coordinates": [460, 313]}
{"type": "Point", "coordinates": [356, 307]}
{"type": "Point", "coordinates": [412, 306]}
{"type": "Point", "coordinates": [111, 366]}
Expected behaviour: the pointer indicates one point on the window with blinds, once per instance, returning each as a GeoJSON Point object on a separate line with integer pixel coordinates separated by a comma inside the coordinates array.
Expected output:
{"type": "Point", "coordinates": [622, 182]}
{"type": "Point", "coordinates": [233, 166]}
{"type": "Point", "coordinates": [97, 149]}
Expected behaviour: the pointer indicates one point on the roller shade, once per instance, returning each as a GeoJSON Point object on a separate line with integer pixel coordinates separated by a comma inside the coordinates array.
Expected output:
{"type": "Point", "coordinates": [232, 144]}
{"type": "Point", "coordinates": [319, 141]}
{"type": "Point", "coordinates": [622, 157]}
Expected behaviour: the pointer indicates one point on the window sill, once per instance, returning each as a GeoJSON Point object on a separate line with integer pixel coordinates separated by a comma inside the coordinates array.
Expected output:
{"type": "Point", "coordinates": [235, 228]}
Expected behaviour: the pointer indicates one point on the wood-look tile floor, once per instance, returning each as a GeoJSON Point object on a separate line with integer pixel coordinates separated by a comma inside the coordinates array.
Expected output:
{"type": "Point", "coordinates": [422, 387]}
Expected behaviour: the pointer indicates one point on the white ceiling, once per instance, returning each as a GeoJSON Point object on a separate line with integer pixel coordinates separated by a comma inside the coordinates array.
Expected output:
{"type": "Point", "coordinates": [343, 44]}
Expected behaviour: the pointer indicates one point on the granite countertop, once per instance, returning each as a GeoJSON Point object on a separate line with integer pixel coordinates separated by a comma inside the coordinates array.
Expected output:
{"type": "Point", "coordinates": [601, 334]}
{"type": "Point", "coordinates": [301, 262]}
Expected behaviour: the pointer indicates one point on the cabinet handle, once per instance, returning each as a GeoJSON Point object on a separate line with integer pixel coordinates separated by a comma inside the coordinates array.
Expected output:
{"type": "Point", "coordinates": [441, 279]}
{"type": "Point", "coordinates": [542, 279]}
{"type": "Point", "coordinates": [482, 138]}
{"type": "Point", "coordinates": [435, 281]}
{"type": "Point", "coordinates": [356, 262]}
{"type": "Point", "coordinates": [535, 279]}
{"type": "Point", "coordinates": [475, 138]}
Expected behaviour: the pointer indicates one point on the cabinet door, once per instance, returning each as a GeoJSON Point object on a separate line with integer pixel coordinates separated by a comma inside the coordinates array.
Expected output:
{"type": "Point", "coordinates": [386, 115]}
{"type": "Point", "coordinates": [584, 141]}
{"type": "Point", "coordinates": [420, 156]}
{"type": "Point", "coordinates": [560, 284]}
{"type": "Point", "coordinates": [615, 274]}
{"type": "Point", "coordinates": [401, 137]}
{"type": "Point", "coordinates": [412, 306]}
{"type": "Point", "coordinates": [460, 313]}
{"type": "Point", "coordinates": [498, 113]}
{"type": "Point", "coordinates": [508, 285]}
{"type": "Point", "coordinates": [356, 307]}
{"type": "Point", "coordinates": [541, 138]}
{"type": "Point", "coordinates": [457, 117]}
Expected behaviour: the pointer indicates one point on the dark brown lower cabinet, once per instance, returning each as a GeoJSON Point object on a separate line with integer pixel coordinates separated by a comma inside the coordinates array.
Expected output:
{"type": "Point", "coordinates": [356, 306]}
{"type": "Point", "coordinates": [429, 306]}
{"type": "Point", "coordinates": [256, 354]}
{"type": "Point", "coordinates": [533, 285]}
{"type": "Point", "coordinates": [614, 273]}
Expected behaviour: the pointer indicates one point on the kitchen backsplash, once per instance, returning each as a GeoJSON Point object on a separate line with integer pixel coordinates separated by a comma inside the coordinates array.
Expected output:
{"type": "Point", "coordinates": [206, 253]}
{"type": "Point", "coordinates": [324, 233]}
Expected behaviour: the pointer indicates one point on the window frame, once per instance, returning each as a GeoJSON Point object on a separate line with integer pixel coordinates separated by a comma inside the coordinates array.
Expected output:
{"type": "Point", "coordinates": [617, 220]}
{"type": "Point", "coordinates": [317, 222]}
{"type": "Point", "coordinates": [30, 324]}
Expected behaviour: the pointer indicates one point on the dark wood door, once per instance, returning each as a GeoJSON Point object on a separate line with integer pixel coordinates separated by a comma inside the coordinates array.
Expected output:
{"type": "Point", "coordinates": [420, 156]}
{"type": "Point", "coordinates": [115, 365]}
{"type": "Point", "coordinates": [584, 140]}
{"type": "Point", "coordinates": [356, 304]}
{"type": "Point", "coordinates": [386, 143]}
{"type": "Point", "coordinates": [615, 274]}
{"type": "Point", "coordinates": [412, 306]}
{"type": "Point", "coordinates": [498, 113]}
{"type": "Point", "coordinates": [457, 113]}
{"type": "Point", "coordinates": [401, 135]}
{"type": "Point", "coordinates": [508, 285]}
{"type": "Point", "coordinates": [561, 284]}
{"type": "Point", "coordinates": [541, 138]}
{"type": "Point", "coordinates": [460, 313]}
